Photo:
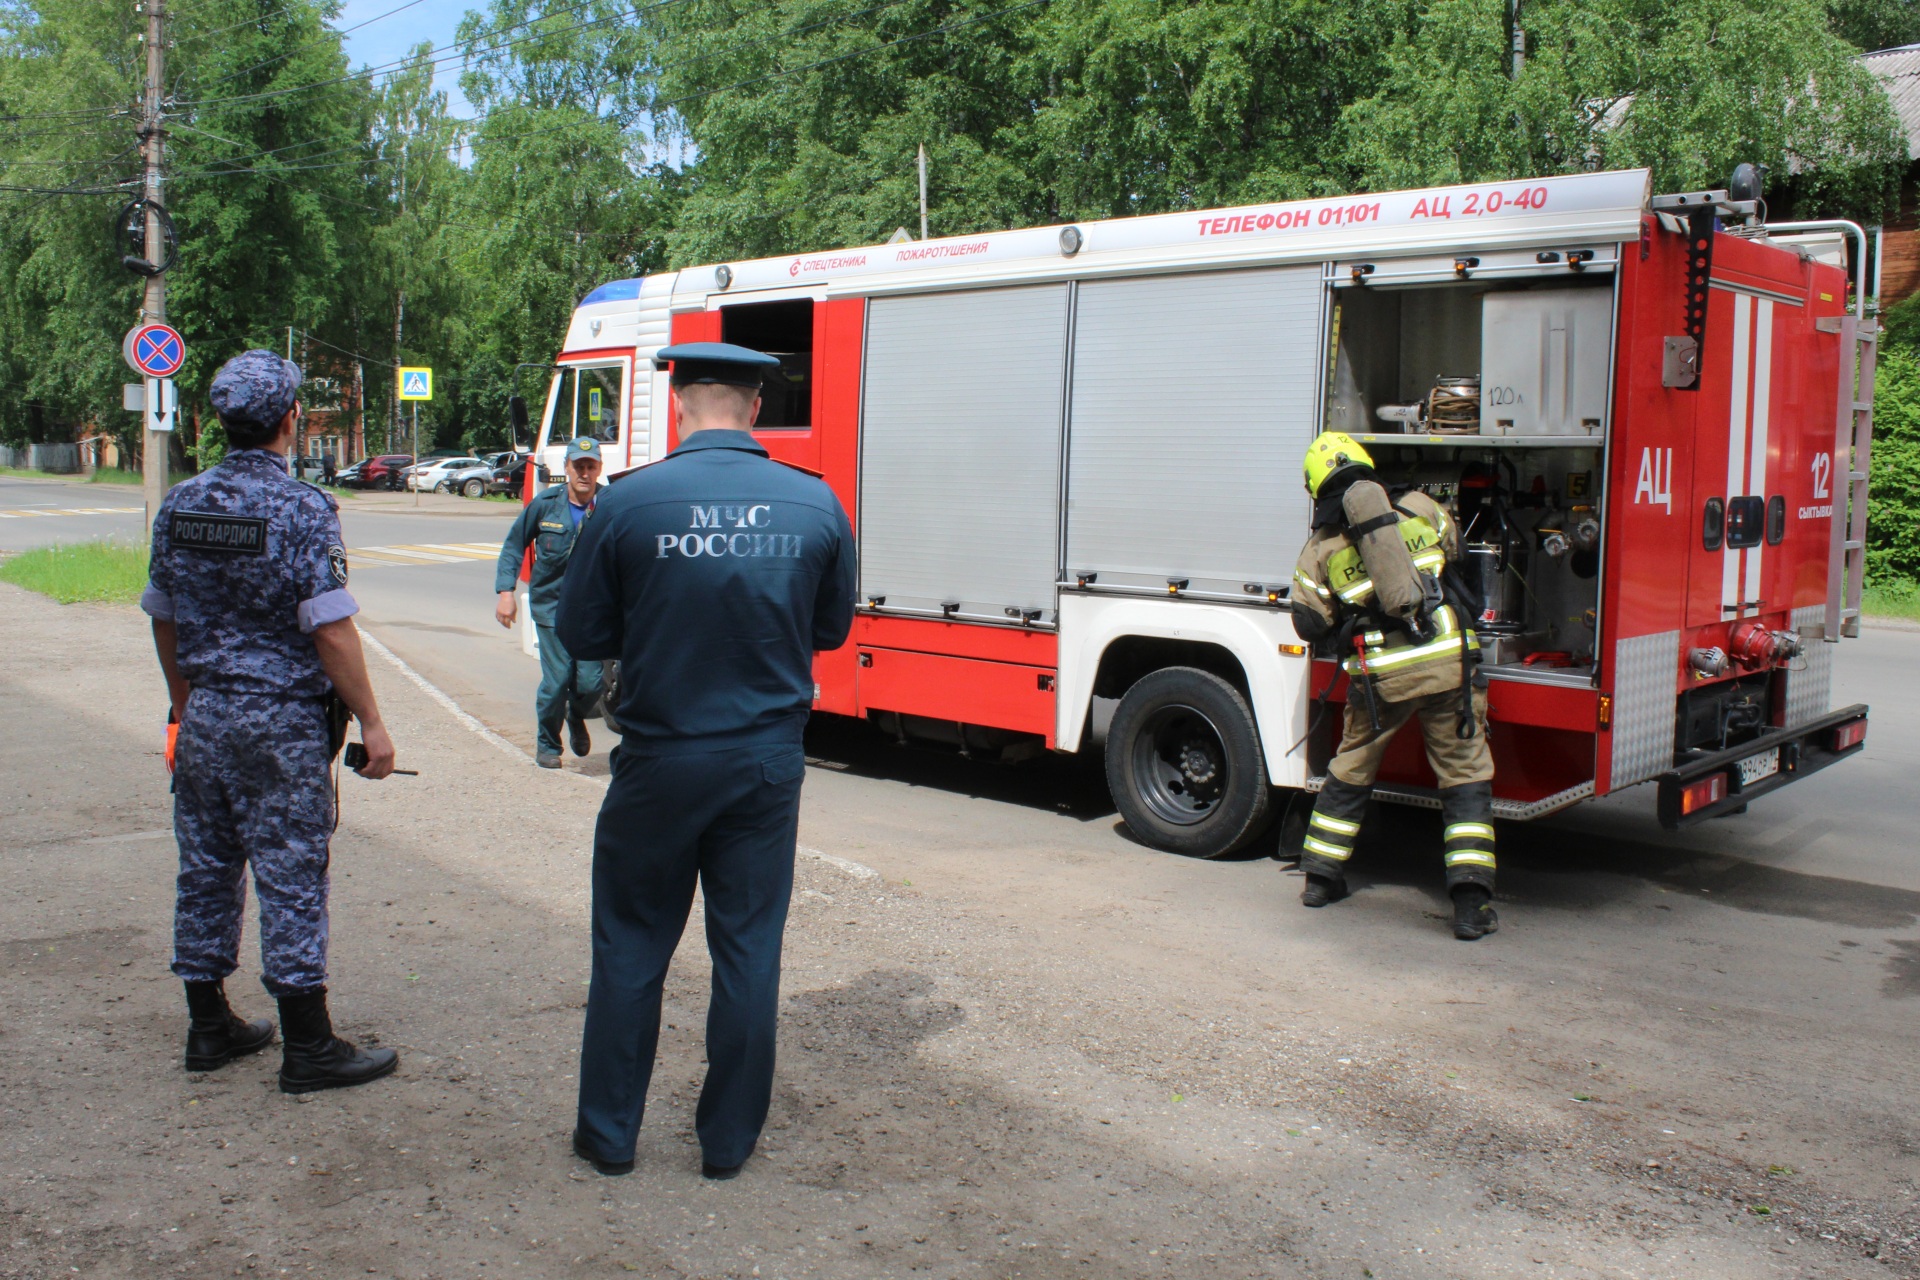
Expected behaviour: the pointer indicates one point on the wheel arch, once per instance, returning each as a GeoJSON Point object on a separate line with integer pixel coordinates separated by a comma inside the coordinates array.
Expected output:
{"type": "Point", "coordinates": [1107, 643]}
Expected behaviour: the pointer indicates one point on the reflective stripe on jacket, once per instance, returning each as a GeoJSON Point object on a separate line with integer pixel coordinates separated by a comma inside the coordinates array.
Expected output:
{"type": "Point", "coordinates": [1330, 585]}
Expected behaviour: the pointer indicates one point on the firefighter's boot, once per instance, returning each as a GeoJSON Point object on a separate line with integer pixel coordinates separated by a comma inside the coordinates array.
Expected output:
{"type": "Point", "coordinates": [216, 1035]}
{"type": "Point", "coordinates": [1473, 913]}
{"type": "Point", "coordinates": [1322, 890]}
{"type": "Point", "coordinates": [1467, 811]}
{"type": "Point", "coordinates": [314, 1058]}
{"type": "Point", "coordinates": [1332, 828]}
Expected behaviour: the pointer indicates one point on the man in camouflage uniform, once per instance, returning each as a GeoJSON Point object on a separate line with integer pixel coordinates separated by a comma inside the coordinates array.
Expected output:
{"type": "Point", "coordinates": [1400, 668]}
{"type": "Point", "coordinates": [254, 628]}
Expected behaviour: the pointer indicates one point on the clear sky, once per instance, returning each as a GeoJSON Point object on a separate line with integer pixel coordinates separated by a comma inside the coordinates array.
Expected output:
{"type": "Point", "coordinates": [390, 38]}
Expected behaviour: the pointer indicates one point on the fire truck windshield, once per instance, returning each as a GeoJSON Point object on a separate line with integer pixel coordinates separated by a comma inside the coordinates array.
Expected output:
{"type": "Point", "coordinates": [585, 401]}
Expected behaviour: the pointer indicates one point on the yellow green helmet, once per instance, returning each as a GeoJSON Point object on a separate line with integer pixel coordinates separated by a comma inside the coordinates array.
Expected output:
{"type": "Point", "coordinates": [1330, 452]}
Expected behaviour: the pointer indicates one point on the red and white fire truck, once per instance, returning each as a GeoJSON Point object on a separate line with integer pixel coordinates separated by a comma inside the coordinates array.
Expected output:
{"type": "Point", "coordinates": [1073, 459]}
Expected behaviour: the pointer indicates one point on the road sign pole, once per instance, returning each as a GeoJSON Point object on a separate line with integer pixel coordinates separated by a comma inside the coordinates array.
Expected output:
{"type": "Point", "coordinates": [416, 453]}
{"type": "Point", "coordinates": [154, 455]}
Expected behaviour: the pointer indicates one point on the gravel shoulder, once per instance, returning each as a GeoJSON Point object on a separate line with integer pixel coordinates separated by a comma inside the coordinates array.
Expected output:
{"type": "Point", "coordinates": [1013, 1043]}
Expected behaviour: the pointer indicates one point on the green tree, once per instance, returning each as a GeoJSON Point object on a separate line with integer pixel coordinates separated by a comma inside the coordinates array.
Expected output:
{"type": "Point", "coordinates": [265, 139]}
{"type": "Point", "coordinates": [562, 193]}
{"type": "Point", "coordinates": [1687, 91]}
{"type": "Point", "coordinates": [1875, 24]}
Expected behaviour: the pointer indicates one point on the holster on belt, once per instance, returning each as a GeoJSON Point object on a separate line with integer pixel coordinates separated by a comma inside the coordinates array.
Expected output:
{"type": "Point", "coordinates": [337, 716]}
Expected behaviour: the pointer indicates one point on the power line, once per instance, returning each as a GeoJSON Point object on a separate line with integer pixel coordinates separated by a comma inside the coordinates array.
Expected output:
{"type": "Point", "coordinates": [235, 75]}
{"type": "Point", "coordinates": [283, 11]}
{"type": "Point", "coordinates": [672, 102]}
{"type": "Point", "coordinates": [403, 63]}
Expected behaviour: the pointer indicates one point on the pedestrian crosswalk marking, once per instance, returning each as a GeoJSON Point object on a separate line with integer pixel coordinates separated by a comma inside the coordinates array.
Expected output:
{"type": "Point", "coordinates": [402, 553]}
{"type": "Point", "coordinates": [18, 512]}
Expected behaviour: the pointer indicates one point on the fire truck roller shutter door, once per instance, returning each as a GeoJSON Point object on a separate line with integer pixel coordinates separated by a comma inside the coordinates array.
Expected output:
{"type": "Point", "coordinates": [960, 452]}
{"type": "Point", "coordinates": [1193, 398]}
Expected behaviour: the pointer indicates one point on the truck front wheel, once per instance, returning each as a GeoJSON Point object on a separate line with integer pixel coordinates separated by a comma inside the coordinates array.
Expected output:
{"type": "Point", "coordinates": [1184, 764]}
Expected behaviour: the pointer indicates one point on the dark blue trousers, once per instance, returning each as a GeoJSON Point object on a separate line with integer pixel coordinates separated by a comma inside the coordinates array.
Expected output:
{"type": "Point", "coordinates": [568, 689]}
{"type": "Point", "coordinates": [728, 819]}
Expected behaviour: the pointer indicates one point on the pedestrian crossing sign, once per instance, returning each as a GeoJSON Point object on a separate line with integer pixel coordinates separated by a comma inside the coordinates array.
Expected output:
{"type": "Point", "coordinates": [416, 384]}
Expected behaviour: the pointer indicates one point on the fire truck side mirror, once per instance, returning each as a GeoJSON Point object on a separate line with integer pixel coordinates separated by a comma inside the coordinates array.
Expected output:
{"type": "Point", "coordinates": [517, 415]}
{"type": "Point", "coordinates": [1680, 363]}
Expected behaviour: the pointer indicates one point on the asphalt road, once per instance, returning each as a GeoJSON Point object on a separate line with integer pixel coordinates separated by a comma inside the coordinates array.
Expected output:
{"type": "Point", "coordinates": [36, 513]}
{"type": "Point", "coordinates": [1026, 1046]}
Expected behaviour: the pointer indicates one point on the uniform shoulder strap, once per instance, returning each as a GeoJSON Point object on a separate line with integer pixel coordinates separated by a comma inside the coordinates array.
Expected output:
{"type": "Point", "coordinates": [794, 466]}
{"type": "Point", "coordinates": [332, 503]}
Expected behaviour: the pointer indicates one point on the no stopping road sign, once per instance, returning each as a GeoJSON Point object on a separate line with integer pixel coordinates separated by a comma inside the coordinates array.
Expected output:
{"type": "Point", "coordinates": [156, 350]}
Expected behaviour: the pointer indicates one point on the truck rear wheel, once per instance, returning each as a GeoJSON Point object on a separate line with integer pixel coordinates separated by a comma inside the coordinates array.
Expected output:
{"type": "Point", "coordinates": [1184, 764]}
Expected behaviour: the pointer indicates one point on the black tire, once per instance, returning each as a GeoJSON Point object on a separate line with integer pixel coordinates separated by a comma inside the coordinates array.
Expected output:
{"type": "Point", "coordinates": [474, 488]}
{"type": "Point", "coordinates": [1184, 764]}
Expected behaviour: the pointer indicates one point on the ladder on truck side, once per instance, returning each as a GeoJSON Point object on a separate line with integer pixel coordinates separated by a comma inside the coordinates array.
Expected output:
{"type": "Point", "coordinates": [1852, 458]}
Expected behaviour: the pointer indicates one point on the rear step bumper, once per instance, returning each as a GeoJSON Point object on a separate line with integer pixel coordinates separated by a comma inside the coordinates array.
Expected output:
{"type": "Point", "coordinates": [1505, 810]}
{"type": "Point", "coordinates": [1806, 749]}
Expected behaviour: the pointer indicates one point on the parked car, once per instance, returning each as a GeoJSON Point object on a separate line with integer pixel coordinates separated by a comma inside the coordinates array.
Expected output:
{"type": "Point", "coordinates": [434, 475]}
{"type": "Point", "coordinates": [510, 477]}
{"type": "Point", "coordinates": [471, 481]}
{"type": "Point", "coordinates": [382, 472]}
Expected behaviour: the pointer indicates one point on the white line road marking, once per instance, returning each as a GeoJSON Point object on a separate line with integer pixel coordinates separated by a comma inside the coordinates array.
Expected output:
{"type": "Point", "coordinates": [425, 553]}
{"type": "Point", "coordinates": [467, 721]}
{"type": "Point", "coordinates": [432, 691]}
{"type": "Point", "coordinates": [857, 870]}
{"type": "Point", "coordinates": [15, 513]}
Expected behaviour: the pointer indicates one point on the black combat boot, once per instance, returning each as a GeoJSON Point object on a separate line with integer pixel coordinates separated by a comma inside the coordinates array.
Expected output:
{"type": "Point", "coordinates": [577, 736]}
{"type": "Point", "coordinates": [314, 1058]}
{"type": "Point", "coordinates": [1473, 913]}
{"type": "Point", "coordinates": [1321, 890]}
{"type": "Point", "coordinates": [216, 1035]}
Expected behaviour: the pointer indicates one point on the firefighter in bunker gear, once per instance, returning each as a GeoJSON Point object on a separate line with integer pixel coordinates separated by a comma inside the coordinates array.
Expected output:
{"type": "Point", "coordinates": [1367, 589]}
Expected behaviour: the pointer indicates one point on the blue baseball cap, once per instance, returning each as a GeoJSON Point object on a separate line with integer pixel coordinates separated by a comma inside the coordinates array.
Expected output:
{"type": "Point", "coordinates": [255, 388]}
{"type": "Point", "coordinates": [583, 447]}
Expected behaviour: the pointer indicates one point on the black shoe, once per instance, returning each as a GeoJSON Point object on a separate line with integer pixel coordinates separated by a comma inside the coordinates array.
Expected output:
{"type": "Point", "coordinates": [577, 736]}
{"type": "Point", "coordinates": [313, 1058]}
{"type": "Point", "coordinates": [609, 1168]}
{"type": "Point", "coordinates": [216, 1035]}
{"type": "Point", "coordinates": [1322, 890]}
{"type": "Point", "coordinates": [546, 760]}
{"type": "Point", "coordinates": [720, 1172]}
{"type": "Point", "coordinates": [1473, 913]}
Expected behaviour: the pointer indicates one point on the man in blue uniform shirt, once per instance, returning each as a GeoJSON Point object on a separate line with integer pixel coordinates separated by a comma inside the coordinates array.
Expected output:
{"type": "Point", "coordinates": [569, 689]}
{"type": "Point", "coordinates": [713, 575]}
{"type": "Point", "coordinates": [254, 627]}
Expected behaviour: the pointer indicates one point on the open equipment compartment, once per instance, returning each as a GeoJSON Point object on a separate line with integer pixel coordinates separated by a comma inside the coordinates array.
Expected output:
{"type": "Point", "coordinates": [1486, 384]}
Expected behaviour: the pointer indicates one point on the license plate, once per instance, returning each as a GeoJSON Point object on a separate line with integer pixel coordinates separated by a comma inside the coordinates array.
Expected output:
{"type": "Point", "coordinates": [1764, 765]}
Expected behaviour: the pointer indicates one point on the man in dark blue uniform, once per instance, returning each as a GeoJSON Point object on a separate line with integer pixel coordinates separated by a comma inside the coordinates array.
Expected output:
{"type": "Point", "coordinates": [569, 688]}
{"type": "Point", "coordinates": [254, 627]}
{"type": "Point", "coordinates": [713, 575]}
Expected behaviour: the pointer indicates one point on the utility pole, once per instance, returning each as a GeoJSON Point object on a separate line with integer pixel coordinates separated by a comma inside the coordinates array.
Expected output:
{"type": "Point", "coordinates": [923, 191]}
{"type": "Point", "coordinates": [1519, 39]}
{"type": "Point", "coordinates": [300, 423]}
{"type": "Point", "coordinates": [156, 450]}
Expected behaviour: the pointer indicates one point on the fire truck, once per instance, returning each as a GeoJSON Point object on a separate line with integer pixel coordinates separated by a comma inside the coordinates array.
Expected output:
{"type": "Point", "coordinates": [1072, 455]}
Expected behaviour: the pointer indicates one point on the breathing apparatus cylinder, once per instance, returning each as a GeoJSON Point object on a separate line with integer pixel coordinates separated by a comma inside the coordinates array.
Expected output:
{"type": "Point", "coordinates": [1400, 590]}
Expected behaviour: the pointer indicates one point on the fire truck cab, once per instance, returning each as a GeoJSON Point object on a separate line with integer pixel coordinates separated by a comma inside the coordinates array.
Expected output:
{"type": "Point", "coordinates": [1072, 456]}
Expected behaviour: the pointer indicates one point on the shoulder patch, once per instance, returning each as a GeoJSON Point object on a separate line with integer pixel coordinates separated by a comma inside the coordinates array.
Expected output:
{"type": "Point", "coordinates": [337, 563]}
{"type": "Point", "coordinates": [216, 531]}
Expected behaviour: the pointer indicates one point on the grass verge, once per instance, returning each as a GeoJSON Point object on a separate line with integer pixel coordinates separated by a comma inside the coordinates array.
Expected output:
{"type": "Point", "coordinates": [1896, 599]}
{"type": "Point", "coordinates": [113, 475]}
{"type": "Point", "coordinates": [106, 571]}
